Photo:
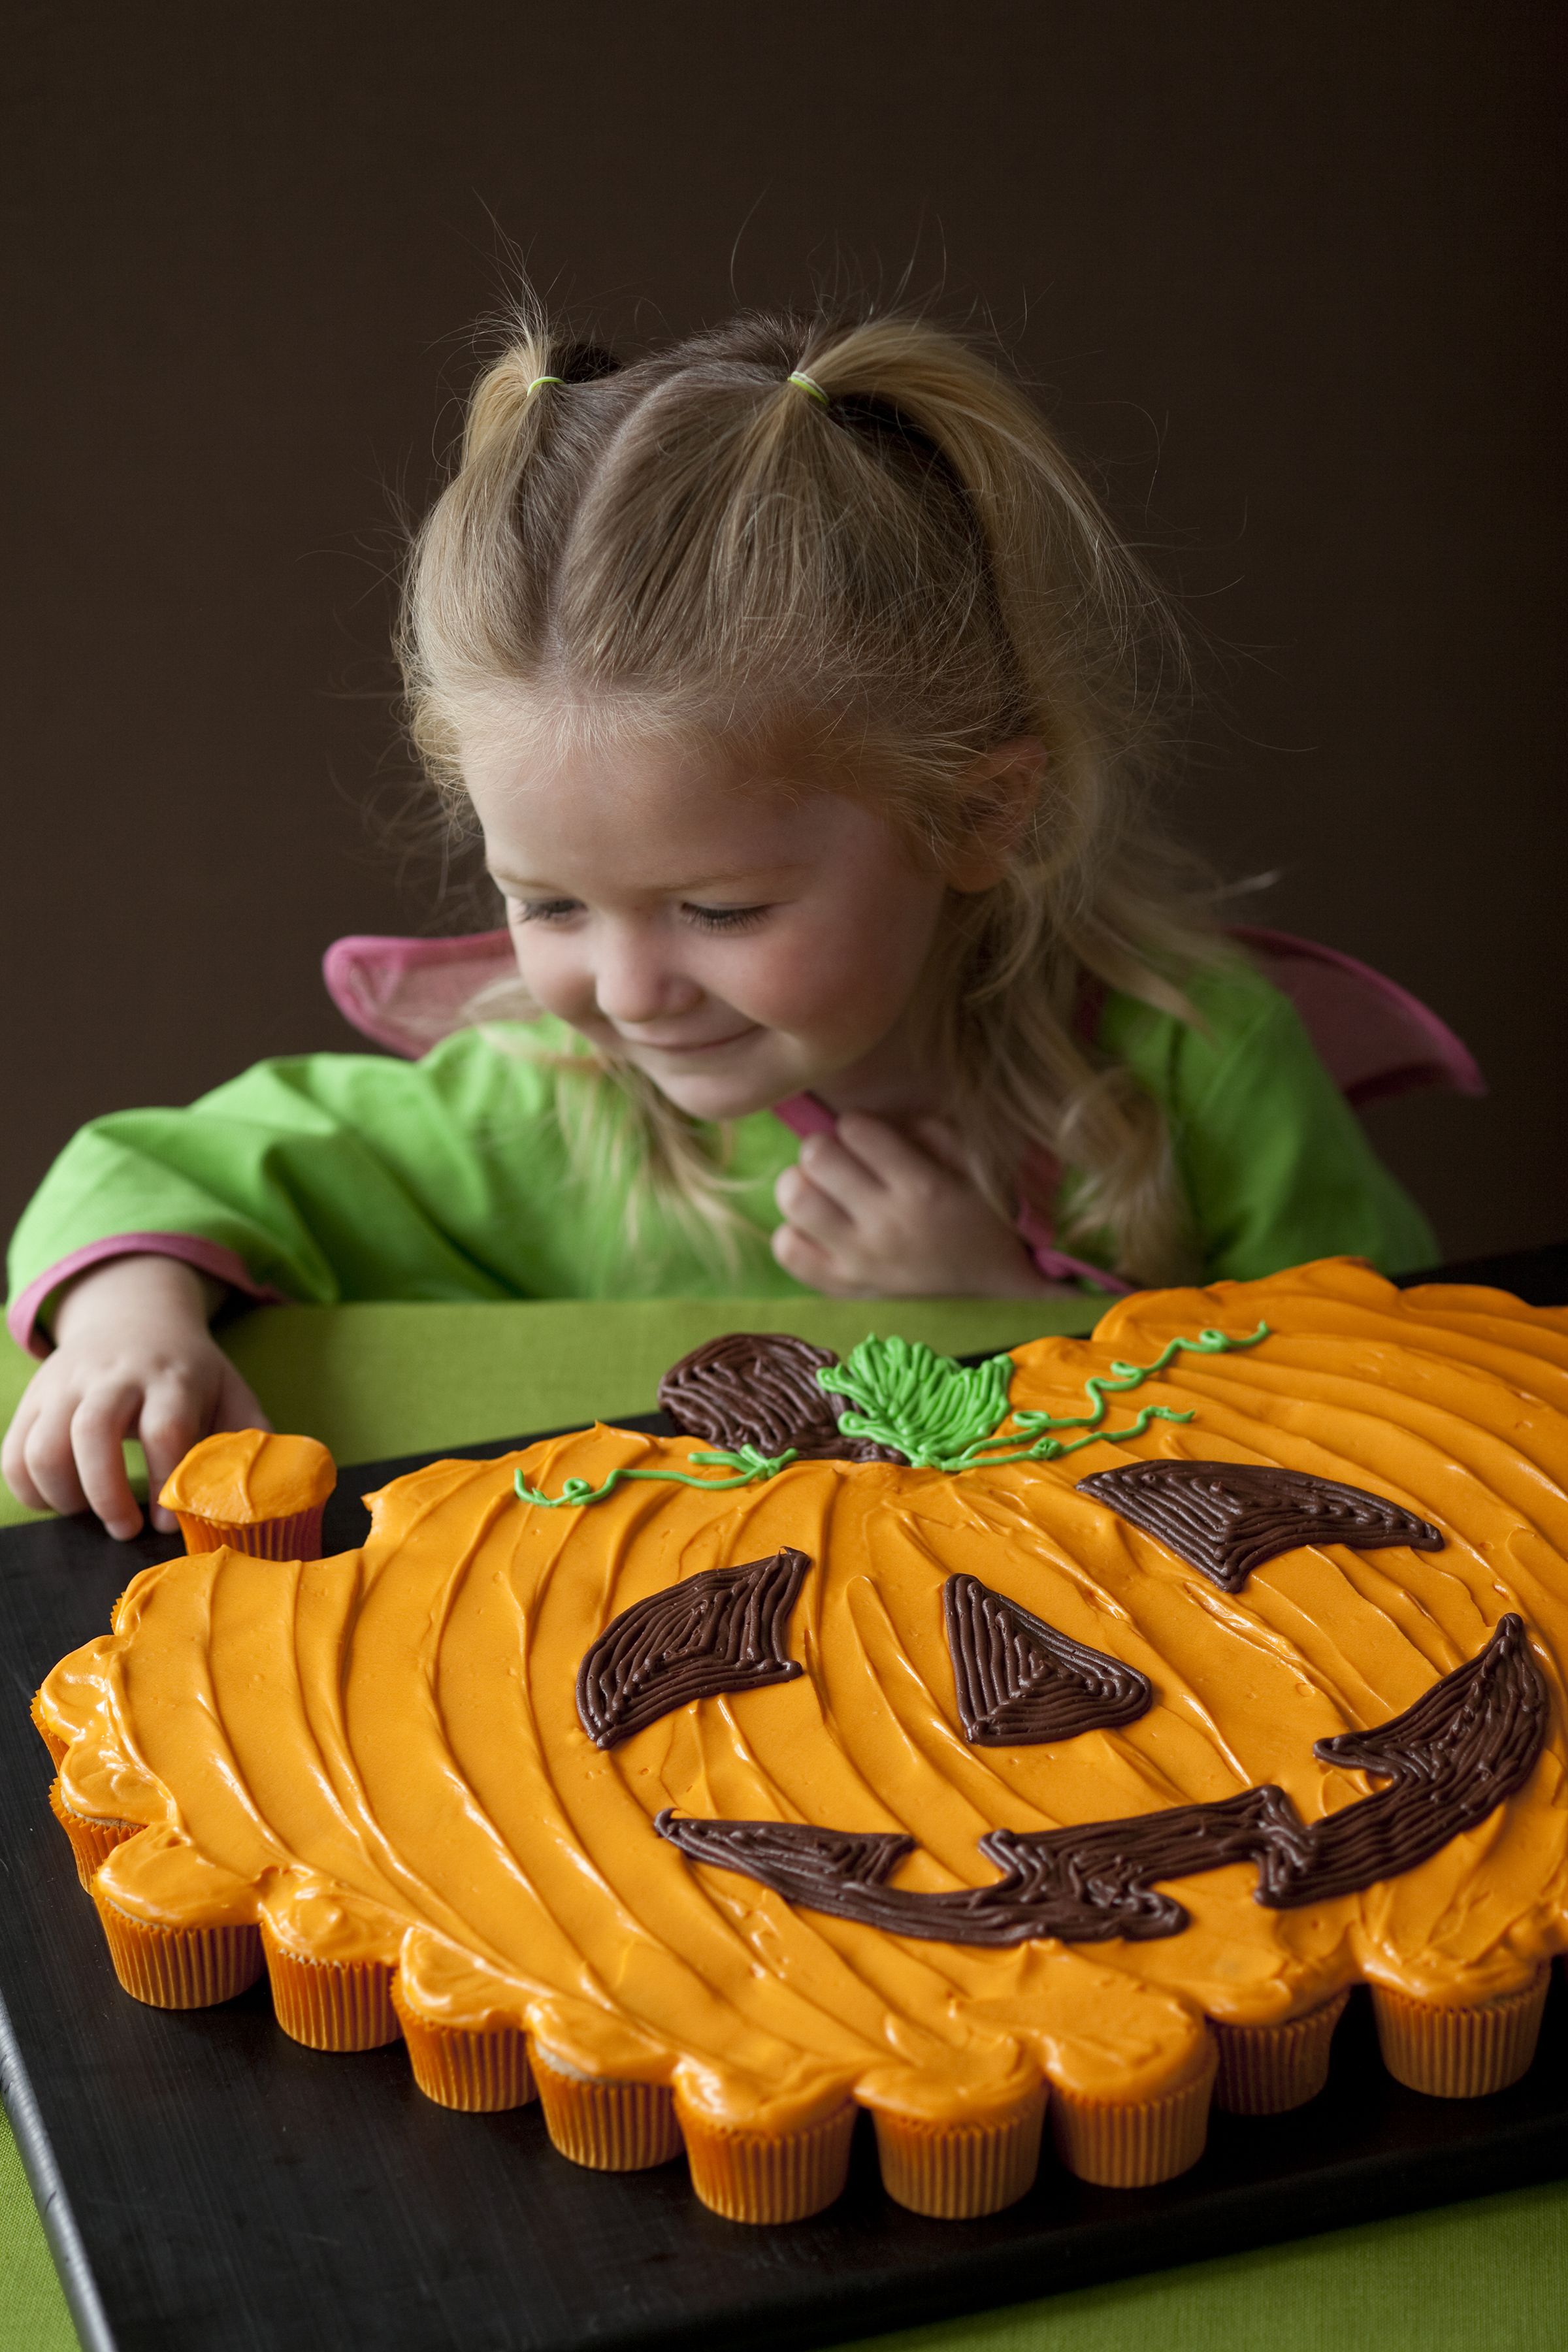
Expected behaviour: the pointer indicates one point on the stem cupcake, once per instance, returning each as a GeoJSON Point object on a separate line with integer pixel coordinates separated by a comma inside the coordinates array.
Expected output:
{"type": "Point", "coordinates": [253, 1491]}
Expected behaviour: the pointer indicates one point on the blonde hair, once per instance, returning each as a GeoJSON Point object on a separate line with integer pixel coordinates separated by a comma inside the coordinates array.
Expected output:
{"type": "Point", "coordinates": [905, 572]}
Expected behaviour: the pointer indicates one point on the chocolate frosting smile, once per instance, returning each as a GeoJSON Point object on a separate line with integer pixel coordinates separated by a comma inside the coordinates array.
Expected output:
{"type": "Point", "coordinates": [1452, 1759]}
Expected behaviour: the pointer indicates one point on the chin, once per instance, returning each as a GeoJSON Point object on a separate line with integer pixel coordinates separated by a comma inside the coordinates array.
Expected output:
{"type": "Point", "coordinates": [728, 1095]}
{"type": "Point", "coordinates": [713, 1101]}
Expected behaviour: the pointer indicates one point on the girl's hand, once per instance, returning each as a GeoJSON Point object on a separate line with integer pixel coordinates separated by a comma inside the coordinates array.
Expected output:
{"type": "Point", "coordinates": [133, 1358]}
{"type": "Point", "coordinates": [869, 1213]}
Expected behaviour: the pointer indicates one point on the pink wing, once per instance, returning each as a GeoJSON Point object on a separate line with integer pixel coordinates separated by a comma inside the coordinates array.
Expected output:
{"type": "Point", "coordinates": [1376, 1039]}
{"type": "Point", "coordinates": [410, 993]}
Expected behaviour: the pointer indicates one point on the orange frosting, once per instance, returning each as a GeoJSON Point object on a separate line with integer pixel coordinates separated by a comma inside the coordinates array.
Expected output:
{"type": "Point", "coordinates": [244, 1475]}
{"type": "Point", "coordinates": [382, 1750]}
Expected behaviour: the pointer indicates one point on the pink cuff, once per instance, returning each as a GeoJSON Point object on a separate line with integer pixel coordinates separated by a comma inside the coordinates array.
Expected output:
{"type": "Point", "coordinates": [1056, 1266]}
{"type": "Point", "coordinates": [207, 1257]}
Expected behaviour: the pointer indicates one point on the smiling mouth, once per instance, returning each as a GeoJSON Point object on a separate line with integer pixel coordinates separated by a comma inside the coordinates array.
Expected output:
{"type": "Point", "coordinates": [702, 1045]}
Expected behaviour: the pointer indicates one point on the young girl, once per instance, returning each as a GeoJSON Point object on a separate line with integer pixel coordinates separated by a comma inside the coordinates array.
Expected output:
{"type": "Point", "coordinates": [805, 699]}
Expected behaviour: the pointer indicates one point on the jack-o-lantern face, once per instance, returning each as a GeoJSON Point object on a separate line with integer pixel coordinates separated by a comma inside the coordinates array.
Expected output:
{"type": "Point", "coordinates": [432, 1752]}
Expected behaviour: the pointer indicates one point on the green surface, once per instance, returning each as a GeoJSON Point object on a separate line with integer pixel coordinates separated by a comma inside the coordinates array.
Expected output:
{"type": "Point", "coordinates": [374, 1380]}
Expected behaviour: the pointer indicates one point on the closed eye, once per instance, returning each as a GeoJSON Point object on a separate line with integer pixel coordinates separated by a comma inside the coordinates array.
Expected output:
{"type": "Point", "coordinates": [543, 910]}
{"type": "Point", "coordinates": [724, 919]}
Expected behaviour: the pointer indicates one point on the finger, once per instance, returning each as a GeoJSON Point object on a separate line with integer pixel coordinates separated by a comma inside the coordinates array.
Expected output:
{"type": "Point", "coordinates": [809, 1262]}
{"type": "Point", "coordinates": [834, 1170]}
{"type": "Point", "coordinates": [173, 1416]}
{"type": "Point", "coordinates": [14, 1455]}
{"type": "Point", "coordinates": [239, 1406]}
{"type": "Point", "coordinates": [890, 1157]}
{"type": "Point", "coordinates": [810, 1210]}
{"type": "Point", "coordinates": [937, 1137]}
{"type": "Point", "coordinates": [51, 1465]}
{"type": "Point", "coordinates": [97, 1433]}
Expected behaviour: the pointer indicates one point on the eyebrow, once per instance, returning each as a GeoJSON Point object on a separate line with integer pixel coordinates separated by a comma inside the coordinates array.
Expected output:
{"type": "Point", "coordinates": [684, 888]}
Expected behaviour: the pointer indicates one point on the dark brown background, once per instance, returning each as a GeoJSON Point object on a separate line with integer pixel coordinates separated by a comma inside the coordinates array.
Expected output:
{"type": "Point", "coordinates": [1286, 274]}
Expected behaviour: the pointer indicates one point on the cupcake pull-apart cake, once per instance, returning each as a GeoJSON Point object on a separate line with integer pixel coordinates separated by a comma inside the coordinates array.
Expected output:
{"type": "Point", "coordinates": [1043, 1745]}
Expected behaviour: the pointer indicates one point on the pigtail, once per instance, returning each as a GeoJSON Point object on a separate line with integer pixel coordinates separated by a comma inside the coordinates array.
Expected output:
{"type": "Point", "coordinates": [1088, 894]}
{"type": "Point", "coordinates": [470, 605]}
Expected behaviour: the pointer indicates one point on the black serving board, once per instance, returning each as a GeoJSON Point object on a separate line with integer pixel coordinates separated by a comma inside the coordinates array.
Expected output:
{"type": "Point", "coordinates": [206, 2183]}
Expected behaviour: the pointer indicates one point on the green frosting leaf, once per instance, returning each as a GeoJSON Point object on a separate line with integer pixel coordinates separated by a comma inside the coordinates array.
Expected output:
{"type": "Point", "coordinates": [907, 1395]}
{"type": "Point", "coordinates": [947, 1416]}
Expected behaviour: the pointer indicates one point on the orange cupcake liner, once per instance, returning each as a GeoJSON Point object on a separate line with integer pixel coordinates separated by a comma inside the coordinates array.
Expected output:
{"type": "Point", "coordinates": [90, 1839]}
{"type": "Point", "coordinates": [609, 2127]}
{"type": "Point", "coordinates": [478, 2070]}
{"type": "Point", "coordinates": [759, 2176]}
{"type": "Point", "coordinates": [179, 1967]}
{"type": "Point", "coordinates": [51, 1738]}
{"type": "Point", "coordinates": [1266, 2069]}
{"type": "Point", "coordinates": [330, 2004]}
{"type": "Point", "coordinates": [1132, 2143]}
{"type": "Point", "coordinates": [299, 1537]}
{"type": "Point", "coordinates": [956, 2172]}
{"type": "Point", "coordinates": [1460, 2053]}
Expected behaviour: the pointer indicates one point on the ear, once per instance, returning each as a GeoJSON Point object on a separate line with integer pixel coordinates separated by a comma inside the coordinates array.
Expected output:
{"type": "Point", "coordinates": [1001, 789]}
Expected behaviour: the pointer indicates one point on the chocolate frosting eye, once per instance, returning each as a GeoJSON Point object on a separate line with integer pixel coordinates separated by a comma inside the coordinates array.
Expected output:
{"type": "Point", "coordinates": [1228, 1517]}
{"type": "Point", "coordinates": [761, 1388]}
{"type": "Point", "coordinates": [722, 1631]}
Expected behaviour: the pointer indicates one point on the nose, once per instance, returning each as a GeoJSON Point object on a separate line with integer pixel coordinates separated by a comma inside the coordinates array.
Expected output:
{"type": "Point", "coordinates": [639, 978]}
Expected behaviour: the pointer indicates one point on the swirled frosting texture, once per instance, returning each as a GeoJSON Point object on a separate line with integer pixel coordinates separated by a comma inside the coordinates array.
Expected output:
{"type": "Point", "coordinates": [245, 1475]}
{"type": "Point", "coordinates": [384, 1750]}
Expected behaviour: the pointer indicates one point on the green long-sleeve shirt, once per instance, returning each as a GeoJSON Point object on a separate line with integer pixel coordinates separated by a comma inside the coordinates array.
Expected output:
{"type": "Point", "coordinates": [337, 1176]}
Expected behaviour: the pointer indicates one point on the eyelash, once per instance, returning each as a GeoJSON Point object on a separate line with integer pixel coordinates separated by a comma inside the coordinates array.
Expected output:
{"type": "Point", "coordinates": [701, 918]}
{"type": "Point", "coordinates": [543, 910]}
{"type": "Point", "coordinates": [724, 919]}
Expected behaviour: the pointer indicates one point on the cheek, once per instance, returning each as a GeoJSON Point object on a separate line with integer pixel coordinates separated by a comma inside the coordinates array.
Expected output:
{"type": "Point", "coordinates": [861, 963]}
{"type": "Point", "coordinates": [554, 973]}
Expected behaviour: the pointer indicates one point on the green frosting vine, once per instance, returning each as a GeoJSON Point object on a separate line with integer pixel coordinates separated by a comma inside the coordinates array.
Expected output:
{"type": "Point", "coordinates": [940, 1414]}
{"type": "Point", "coordinates": [748, 1464]}
{"type": "Point", "coordinates": [948, 1416]}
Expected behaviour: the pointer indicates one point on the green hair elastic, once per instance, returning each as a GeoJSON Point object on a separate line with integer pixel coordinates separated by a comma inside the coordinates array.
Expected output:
{"type": "Point", "coordinates": [807, 383]}
{"type": "Point", "coordinates": [542, 379]}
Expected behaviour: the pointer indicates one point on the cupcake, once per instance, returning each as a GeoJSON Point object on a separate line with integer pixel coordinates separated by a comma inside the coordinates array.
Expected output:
{"type": "Point", "coordinates": [253, 1491]}
{"type": "Point", "coordinates": [1133, 2142]}
{"type": "Point", "coordinates": [1265, 2070]}
{"type": "Point", "coordinates": [1460, 2050]}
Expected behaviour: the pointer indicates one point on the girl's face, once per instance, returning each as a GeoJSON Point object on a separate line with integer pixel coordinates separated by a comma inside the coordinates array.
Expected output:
{"type": "Point", "coordinates": [738, 941]}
